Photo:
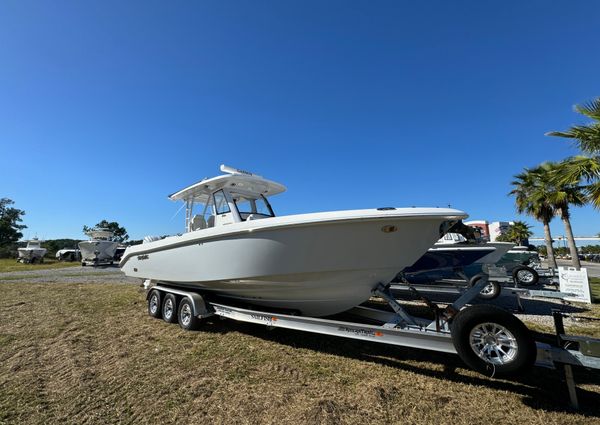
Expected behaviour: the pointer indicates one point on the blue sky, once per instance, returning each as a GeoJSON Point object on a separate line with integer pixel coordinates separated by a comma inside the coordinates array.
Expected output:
{"type": "Point", "coordinates": [107, 107]}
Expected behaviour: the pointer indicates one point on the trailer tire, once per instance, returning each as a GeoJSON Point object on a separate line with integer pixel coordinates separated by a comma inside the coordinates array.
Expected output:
{"type": "Point", "coordinates": [509, 344]}
{"type": "Point", "coordinates": [185, 315]}
{"type": "Point", "coordinates": [525, 276]}
{"type": "Point", "coordinates": [154, 304]}
{"type": "Point", "coordinates": [169, 308]}
{"type": "Point", "coordinates": [489, 292]}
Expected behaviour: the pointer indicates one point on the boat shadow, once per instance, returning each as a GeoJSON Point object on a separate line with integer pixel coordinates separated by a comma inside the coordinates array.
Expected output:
{"type": "Point", "coordinates": [539, 389]}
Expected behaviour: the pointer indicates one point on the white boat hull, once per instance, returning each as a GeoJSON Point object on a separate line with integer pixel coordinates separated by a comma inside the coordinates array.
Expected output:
{"type": "Point", "coordinates": [29, 253]}
{"type": "Point", "coordinates": [97, 251]}
{"type": "Point", "coordinates": [317, 267]}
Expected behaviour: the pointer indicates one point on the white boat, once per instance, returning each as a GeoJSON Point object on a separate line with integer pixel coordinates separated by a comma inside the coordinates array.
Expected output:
{"type": "Point", "coordinates": [100, 249]}
{"type": "Point", "coordinates": [68, 254]}
{"type": "Point", "coordinates": [495, 250]}
{"type": "Point", "coordinates": [33, 252]}
{"type": "Point", "coordinates": [316, 264]}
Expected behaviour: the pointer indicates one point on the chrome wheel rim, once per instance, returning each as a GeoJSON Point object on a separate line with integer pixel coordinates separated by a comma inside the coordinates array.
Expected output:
{"type": "Point", "coordinates": [525, 276]}
{"type": "Point", "coordinates": [493, 343]}
{"type": "Point", "coordinates": [153, 304]}
{"type": "Point", "coordinates": [487, 289]}
{"type": "Point", "coordinates": [168, 308]}
{"type": "Point", "coordinates": [186, 314]}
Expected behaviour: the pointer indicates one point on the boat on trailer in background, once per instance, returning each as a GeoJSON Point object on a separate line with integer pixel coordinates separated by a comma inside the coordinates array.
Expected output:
{"type": "Point", "coordinates": [99, 250]}
{"type": "Point", "coordinates": [32, 253]}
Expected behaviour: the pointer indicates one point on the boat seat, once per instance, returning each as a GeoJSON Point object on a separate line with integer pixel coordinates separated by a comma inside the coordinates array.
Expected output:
{"type": "Point", "coordinates": [253, 217]}
{"type": "Point", "coordinates": [198, 223]}
{"type": "Point", "coordinates": [211, 221]}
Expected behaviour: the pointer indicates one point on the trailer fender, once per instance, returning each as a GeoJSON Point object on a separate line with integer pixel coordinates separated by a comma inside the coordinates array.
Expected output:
{"type": "Point", "coordinates": [201, 309]}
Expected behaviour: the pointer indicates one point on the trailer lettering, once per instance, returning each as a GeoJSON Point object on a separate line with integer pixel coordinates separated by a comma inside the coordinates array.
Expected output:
{"type": "Point", "coordinates": [262, 317]}
{"type": "Point", "coordinates": [360, 332]}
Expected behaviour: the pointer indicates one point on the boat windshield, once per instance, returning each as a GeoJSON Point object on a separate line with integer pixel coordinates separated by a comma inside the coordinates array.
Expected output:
{"type": "Point", "coordinates": [257, 207]}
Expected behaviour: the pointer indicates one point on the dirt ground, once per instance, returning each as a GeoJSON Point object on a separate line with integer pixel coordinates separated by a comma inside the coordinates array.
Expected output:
{"type": "Point", "coordinates": [87, 352]}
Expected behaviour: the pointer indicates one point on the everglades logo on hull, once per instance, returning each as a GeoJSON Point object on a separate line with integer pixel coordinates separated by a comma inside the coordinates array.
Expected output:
{"type": "Point", "coordinates": [143, 257]}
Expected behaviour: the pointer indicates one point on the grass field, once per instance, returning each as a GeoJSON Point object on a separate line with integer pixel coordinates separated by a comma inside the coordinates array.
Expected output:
{"type": "Point", "coordinates": [11, 265]}
{"type": "Point", "coordinates": [88, 353]}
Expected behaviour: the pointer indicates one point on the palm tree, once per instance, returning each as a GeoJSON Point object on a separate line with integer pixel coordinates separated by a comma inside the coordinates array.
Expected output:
{"type": "Point", "coordinates": [561, 196]}
{"type": "Point", "coordinates": [531, 197]}
{"type": "Point", "coordinates": [519, 232]}
{"type": "Point", "coordinates": [584, 170]}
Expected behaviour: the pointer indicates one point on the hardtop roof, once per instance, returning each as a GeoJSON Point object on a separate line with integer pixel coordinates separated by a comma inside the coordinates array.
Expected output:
{"type": "Point", "coordinates": [236, 181]}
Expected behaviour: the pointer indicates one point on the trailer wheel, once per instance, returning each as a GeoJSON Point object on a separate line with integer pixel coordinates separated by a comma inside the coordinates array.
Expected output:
{"type": "Point", "coordinates": [492, 341]}
{"type": "Point", "coordinates": [490, 291]}
{"type": "Point", "coordinates": [169, 308]}
{"type": "Point", "coordinates": [185, 315]}
{"type": "Point", "coordinates": [154, 304]}
{"type": "Point", "coordinates": [525, 275]}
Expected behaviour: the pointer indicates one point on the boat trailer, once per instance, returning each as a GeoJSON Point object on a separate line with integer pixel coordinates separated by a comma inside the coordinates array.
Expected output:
{"type": "Point", "coordinates": [487, 338]}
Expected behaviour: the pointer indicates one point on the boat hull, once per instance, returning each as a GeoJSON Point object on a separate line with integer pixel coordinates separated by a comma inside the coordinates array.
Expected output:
{"type": "Point", "coordinates": [317, 269]}
{"type": "Point", "coordinates": [97, 251]}
{"type": "Point", "coordinates": [29, 253]}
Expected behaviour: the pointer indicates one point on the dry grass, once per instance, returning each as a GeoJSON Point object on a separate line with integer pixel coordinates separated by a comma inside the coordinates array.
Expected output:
{"type": "Point", "coordinates": [11, 265]}
{"type": "Point", "coordinates": [88, 353]}
{"type": "Point", "coordinates": [585, 322]}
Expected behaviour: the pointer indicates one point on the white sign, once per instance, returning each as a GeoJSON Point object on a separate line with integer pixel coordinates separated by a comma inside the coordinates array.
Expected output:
{"type": "Point", "coordinates": [573, 281]}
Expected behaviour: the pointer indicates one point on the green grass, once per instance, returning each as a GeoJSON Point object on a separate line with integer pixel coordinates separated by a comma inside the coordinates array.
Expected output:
{"type": "Point", "coordinates": [11, 265]}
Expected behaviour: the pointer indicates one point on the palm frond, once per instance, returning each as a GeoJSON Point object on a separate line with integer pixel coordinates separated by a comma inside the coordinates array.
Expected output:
{"type": "Point", "coordinates": [587, 137]}
{"type": "Point", "coordinates": [590, 109]}
{"type": "Point", "coordinates": [566, 134]}
{"type": "Point", "coordinates": [575, 170]}
{"type": "Point", "coordinates": [593, 194]}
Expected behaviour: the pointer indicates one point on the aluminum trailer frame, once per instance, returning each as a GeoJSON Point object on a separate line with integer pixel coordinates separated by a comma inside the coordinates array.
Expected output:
{"type": "Point", "coordinates": [400, 328]}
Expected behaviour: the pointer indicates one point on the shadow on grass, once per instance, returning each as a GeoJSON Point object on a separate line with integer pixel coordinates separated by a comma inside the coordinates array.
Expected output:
{"type": "Point", "coordinates": [540, 389]}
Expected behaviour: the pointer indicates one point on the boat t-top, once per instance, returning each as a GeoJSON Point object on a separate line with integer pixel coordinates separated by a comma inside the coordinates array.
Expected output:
{"type": "Point", "coordinates": [33, 252]}
{"type": "Point", "coordinates": [315, 264]}
{"type": "Point", "coordinates": [100, 249]}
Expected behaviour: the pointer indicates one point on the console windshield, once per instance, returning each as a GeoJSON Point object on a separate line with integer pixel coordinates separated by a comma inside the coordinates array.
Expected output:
{"type": "Point", "coordinates": [258, 207]}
